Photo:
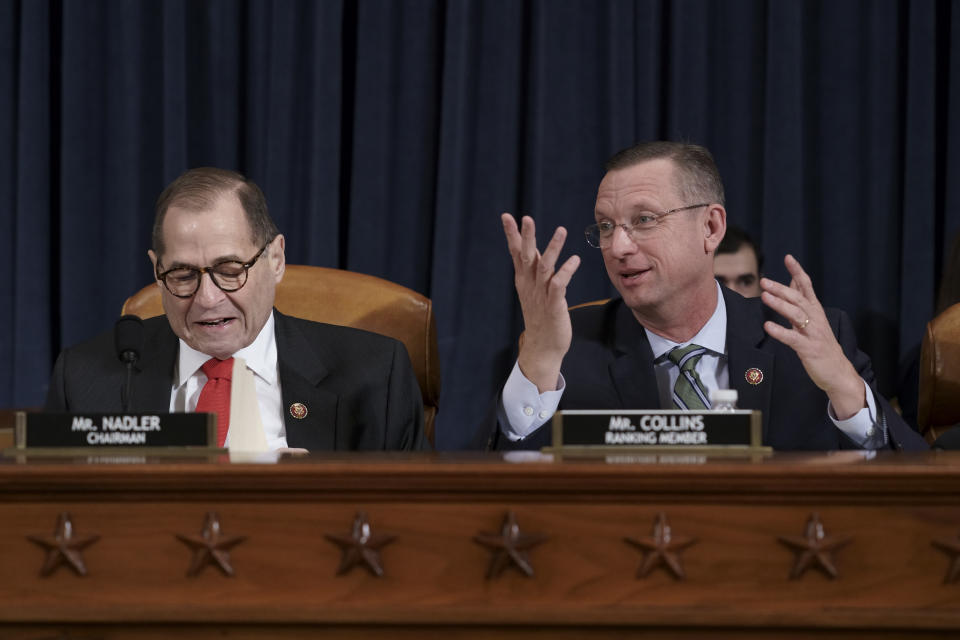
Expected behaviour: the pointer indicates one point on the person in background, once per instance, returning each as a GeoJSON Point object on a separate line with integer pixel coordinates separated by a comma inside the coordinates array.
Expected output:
{"type": "Point", "coordinates": [738, 263]}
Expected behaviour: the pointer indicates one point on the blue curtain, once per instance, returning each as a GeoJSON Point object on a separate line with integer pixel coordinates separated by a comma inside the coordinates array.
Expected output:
{"type": "Point", "coordinates": [388, 136]}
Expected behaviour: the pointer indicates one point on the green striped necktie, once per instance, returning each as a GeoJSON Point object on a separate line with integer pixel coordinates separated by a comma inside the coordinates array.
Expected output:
{"type": "Point", "coordinates": [688, 391]}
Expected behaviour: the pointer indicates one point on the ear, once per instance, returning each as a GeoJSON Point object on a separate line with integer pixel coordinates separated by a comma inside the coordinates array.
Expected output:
{"type": "Point", "coordinates": [277, 258]}
{"type": "Point", "coordinates": [714, 227]}
{"type": "Point", "coordinates": [153, 260]}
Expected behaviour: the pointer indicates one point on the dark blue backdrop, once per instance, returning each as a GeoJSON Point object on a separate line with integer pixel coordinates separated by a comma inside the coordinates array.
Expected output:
{"type": "Point", "coordinates": [388, 136]}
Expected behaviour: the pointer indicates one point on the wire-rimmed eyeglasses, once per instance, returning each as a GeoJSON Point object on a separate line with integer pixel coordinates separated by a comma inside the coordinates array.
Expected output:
{"type": "Point", "coordinates": [600, 235]}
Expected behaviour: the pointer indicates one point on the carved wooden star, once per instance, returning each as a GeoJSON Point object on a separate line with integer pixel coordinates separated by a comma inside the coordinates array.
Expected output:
{"type": "Point", "coordinates": [661, 549]}
{"type": "Point", "coordinates": [211, 547]}
{"type": "Point", "coordinates": [814, 549]}
{"type": "Point", "coordinates": [509, 547]}
{"type": "Point", "coordinates": [63, 548]}
{"type": "Point", "coordinates": [361, 547]}
{"type": "Point", "coordinates": [952, 547]}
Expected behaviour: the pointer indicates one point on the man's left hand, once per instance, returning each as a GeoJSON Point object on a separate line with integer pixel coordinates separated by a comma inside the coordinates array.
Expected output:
{"type": "Point", "coordinates": [813, 340]}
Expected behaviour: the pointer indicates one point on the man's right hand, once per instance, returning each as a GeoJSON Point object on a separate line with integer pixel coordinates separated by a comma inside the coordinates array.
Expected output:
{"type": "Point", "coordinates": [542, 290]}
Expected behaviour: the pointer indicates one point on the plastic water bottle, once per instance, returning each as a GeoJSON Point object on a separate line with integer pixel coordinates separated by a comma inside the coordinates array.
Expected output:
{"type": "Point", "coordinates": [723, 400]}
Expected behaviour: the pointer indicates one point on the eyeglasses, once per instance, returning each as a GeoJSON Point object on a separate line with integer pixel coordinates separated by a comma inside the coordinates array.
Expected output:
{"type": "Point", "coordinates": [229, 276]}
{"type": "Point", "coordinates": [600, 235]}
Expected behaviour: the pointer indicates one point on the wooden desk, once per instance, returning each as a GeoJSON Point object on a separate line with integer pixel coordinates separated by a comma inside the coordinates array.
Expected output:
{"type": "Point", "coordinates": [890, 580]}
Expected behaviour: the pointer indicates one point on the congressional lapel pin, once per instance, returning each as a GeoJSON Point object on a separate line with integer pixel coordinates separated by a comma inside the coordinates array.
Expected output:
{"type": "Point", "coordinates": [298, 410]}
{"type": "Point", "coordinates": [753, 375]}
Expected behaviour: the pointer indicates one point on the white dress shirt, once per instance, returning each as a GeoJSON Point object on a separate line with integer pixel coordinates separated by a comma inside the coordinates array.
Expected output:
{"type": "Point", "coordinates": [522, 409]}
{"type": "Point", "coordinates": [261, 359]}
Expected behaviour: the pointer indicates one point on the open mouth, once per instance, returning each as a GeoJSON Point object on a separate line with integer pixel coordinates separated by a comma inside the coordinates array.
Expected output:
{"type": "Point", "coordinates": [633, 275]}
{"type": "Point", "coordinates": [219, 322]}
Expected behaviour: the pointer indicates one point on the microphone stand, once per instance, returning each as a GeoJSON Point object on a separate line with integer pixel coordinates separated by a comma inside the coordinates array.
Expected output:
{"type": "Point", "coordinates": [128, 339]}
{"type": "Point", "coordinates": [126, 393]}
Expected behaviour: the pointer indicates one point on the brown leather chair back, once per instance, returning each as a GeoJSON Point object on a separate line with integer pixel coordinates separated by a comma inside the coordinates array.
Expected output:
{"type": "Point", "coordinates": [939, 400]}
{"type": "Point", "coordinates": [592, 303]}
{"type": "Point", "coordinates": [349, 299]}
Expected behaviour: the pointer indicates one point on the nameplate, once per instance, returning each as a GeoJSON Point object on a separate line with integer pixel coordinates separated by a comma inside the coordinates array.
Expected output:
{"type": "Point", "coordinates": [713, 430]}
{"type": "Point", "coordinates": [72, 431]}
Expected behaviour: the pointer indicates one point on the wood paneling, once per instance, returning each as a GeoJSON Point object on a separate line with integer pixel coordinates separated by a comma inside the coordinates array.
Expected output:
{"type": "Point", "coordinates": [890, 576]}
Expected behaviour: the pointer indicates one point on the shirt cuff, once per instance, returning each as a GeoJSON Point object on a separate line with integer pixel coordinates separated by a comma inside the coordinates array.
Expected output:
{"type": "Point", "coordinates": [523, 409]}
{"type": "Point", "coordinates": [863, 427]}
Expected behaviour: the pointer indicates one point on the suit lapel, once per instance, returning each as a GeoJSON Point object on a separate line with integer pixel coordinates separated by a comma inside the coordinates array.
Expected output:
{"type": "Point", "coordinates": [632, 367]}
{"type": "Point", "coordinates": [301, 372]}
{"type": "Point", "coordinates": [744, 334]}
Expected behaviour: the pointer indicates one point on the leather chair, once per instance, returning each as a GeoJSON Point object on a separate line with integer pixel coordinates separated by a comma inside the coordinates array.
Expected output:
{"type": "Point", "coordinates": [592, 303]}
{"type": "Point", "coordinates": [938, 406]}
{"type": "Point", "coordinates": [349, 299]}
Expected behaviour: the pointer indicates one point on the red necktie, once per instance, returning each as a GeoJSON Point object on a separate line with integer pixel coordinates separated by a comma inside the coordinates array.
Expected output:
{"type": "Point", "coordinates": [215, 396]}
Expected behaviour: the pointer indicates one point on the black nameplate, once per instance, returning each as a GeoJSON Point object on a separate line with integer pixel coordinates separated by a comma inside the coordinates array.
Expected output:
{"type": "Point", "coordinates": [114, 430]}
{"type": "Point", "coordinates": [606, 428]}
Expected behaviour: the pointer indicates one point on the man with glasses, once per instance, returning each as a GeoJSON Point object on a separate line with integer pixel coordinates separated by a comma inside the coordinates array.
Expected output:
{"type": "Point", "coordinates": [218, 257]}
{"type": "Point", "coordinates": [674, 335]}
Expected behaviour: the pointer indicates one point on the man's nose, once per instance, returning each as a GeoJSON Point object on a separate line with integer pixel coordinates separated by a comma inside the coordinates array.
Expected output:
{"type": "Point", "coordinates": [208, 293]}
{"type": "Point", "coordinates": [621, 242]}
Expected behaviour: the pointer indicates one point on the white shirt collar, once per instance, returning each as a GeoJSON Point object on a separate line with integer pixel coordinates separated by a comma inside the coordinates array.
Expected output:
{"type": "Point", "coordinates": [712, 335]}
{"type": "Point", "coordinates": [260, 356]}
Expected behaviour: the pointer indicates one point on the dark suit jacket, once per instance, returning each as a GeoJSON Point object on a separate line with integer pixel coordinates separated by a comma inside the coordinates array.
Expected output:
{"type": "Point", "coordinates": [610, 366]}
{"type": "Point", "coordinates": [358, 387]}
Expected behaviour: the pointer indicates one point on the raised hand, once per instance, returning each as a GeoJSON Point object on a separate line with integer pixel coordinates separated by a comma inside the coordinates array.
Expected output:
{"type": "Point", "coordinates": [813, 340]}
{"type": "Point", "coordinates": [542, 289]}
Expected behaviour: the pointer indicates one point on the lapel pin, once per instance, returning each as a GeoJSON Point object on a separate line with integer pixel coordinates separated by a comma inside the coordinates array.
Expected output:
{"type": "Point", "coordinates": [754, 376]}
{"type": "Point", "coordinates": [298, 410]}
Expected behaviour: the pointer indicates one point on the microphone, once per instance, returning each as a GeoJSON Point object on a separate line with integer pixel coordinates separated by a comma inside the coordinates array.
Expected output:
{"type": "Point", "coordinates": [128, 339]}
